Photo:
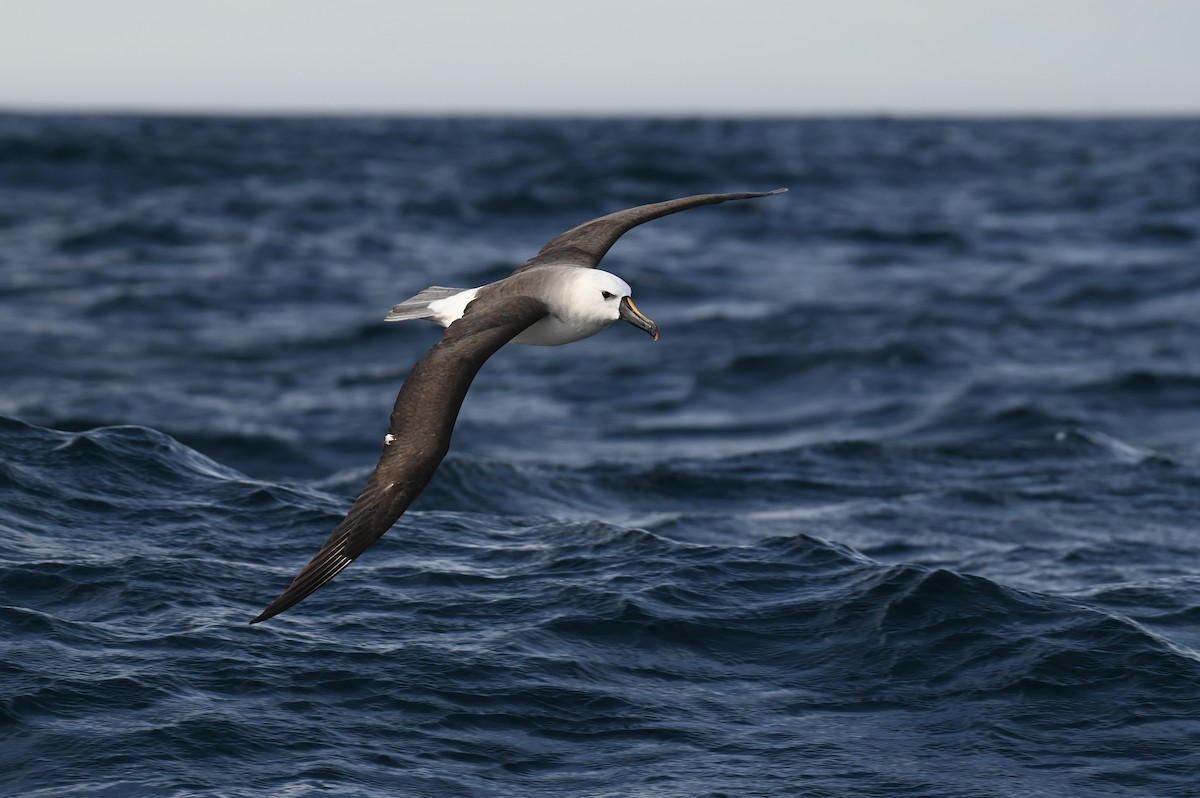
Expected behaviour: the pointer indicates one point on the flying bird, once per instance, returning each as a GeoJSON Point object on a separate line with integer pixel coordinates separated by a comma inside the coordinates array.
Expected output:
{"type": "Point", "coordinates": [556, 297]}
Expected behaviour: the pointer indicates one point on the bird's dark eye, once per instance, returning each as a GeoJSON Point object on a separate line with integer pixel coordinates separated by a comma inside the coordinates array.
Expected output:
{"type": "Point", "coordinates": [607, 294]}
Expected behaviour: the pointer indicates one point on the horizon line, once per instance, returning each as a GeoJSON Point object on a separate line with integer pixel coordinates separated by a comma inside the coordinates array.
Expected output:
{"type": "Point", "coordinates": [237, 111]}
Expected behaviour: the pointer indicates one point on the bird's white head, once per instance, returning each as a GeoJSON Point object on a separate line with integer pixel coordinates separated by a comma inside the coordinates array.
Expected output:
{"type": "Point", "coordinates": [600, 297]}
{"type": "Point", "coordinates": [582, 302]}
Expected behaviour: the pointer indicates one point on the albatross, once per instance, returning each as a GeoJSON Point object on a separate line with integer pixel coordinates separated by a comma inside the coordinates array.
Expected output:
{"type": "Point", "coordinates": [556, 297]}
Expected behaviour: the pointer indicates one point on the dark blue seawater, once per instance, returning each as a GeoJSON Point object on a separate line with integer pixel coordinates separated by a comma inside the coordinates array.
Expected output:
{"type": "Point", "coordinates": [905, 503]}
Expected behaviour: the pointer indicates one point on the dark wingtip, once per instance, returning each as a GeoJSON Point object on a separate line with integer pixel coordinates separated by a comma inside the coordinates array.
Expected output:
{"type": "Point", "coordinates": [285, 601]}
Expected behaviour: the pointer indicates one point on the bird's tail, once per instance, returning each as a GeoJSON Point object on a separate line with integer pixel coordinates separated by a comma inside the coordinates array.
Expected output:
{"type": "Point", "coordinates": [417, 307]}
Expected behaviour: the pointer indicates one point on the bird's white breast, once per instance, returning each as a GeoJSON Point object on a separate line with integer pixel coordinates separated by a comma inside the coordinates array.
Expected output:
{"type": "Point", "coordinates": [553, 331]}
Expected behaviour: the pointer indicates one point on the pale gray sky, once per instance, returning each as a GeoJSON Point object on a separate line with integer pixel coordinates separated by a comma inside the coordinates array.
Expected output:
{"type": "Point", "coordinates": [611, 56]}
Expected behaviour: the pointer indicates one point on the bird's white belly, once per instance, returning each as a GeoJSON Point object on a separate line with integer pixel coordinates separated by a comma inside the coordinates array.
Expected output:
{"type": "Point", "coordinates": [553, 331]}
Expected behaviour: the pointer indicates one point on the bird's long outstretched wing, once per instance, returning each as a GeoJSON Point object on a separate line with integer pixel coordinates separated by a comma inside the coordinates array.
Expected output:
{"type": "Point", "coordinates": [418, 436]}
{"type": "Point", "coordinates": [587, 244]}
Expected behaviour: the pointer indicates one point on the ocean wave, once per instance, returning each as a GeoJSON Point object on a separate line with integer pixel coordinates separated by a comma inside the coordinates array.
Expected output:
{"type": "Point", "coordinates": [552, 634]}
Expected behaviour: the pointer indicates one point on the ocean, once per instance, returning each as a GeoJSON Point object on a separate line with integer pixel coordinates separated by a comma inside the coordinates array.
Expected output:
{"type": "Point", "coordinates": [906, 501]}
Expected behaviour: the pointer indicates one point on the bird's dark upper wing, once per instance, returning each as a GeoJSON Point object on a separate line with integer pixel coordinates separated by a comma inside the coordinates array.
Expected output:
{"type": "Point", "coordinates": [587, 244]}
{"type": "Point", "coordinates": [418, 436]}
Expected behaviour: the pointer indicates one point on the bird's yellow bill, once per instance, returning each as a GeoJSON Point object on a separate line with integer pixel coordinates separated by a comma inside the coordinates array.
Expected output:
{"type": "Point", "coordinates": [631, 314]}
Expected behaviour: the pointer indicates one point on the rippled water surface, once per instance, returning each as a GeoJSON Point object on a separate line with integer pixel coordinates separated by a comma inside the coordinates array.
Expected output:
{"type": "Point", "coordinates": [906, 502]}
